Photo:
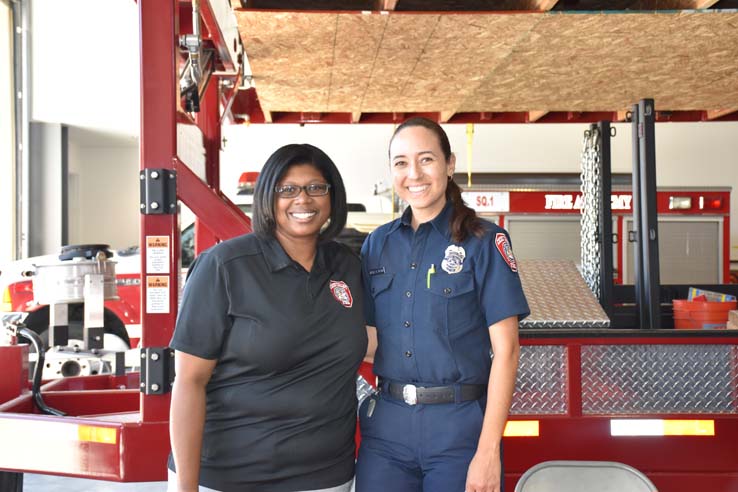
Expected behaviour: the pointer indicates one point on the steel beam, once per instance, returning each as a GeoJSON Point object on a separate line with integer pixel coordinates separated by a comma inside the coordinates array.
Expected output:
{"type": "Point", "coordinates": [649, 240]}
{"type": "Point", "coordinates": [605, 219]}
{"type": "Point", "coordinates": [159, 94]}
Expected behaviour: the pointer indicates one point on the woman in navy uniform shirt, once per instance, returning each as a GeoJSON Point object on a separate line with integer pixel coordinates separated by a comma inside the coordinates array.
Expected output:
{"type": "Point", "coordinates": [443, 295]}
{"type": "Point", "coordinates": [268, 340]}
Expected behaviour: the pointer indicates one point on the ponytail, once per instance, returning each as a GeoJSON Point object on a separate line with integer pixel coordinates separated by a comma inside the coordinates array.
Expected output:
{"type": "Point", "coordinates": [464, 220]}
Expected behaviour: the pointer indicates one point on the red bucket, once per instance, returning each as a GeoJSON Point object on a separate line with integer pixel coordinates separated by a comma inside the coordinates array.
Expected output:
{"type": "Point", "coordinates": [695, 315]}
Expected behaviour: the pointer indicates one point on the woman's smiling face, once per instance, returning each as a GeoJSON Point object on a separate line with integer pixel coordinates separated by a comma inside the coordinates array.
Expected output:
{"type": "Point", "coordinates": [420, 171]}
{"type": "Point", "coordinates": [304, 215]}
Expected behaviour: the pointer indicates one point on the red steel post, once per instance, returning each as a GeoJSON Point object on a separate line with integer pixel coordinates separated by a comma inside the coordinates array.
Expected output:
{"type": "Point", "coordinates": [159, 91]}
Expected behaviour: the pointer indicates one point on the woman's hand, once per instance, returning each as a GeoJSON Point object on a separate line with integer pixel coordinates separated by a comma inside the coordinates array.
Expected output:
{"type": "Point", "coordinates": [484, 473]}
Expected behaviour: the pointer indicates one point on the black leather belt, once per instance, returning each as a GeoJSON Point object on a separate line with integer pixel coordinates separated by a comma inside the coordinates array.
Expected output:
{"type": "Point", "coordinates": [413, 395]}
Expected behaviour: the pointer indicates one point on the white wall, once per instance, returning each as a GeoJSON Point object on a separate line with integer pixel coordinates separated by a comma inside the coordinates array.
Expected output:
{"type": "Point", "coordinates": [85, 63]}
{"type": "Point", "coordinates": [103, 189]}
{"type": "Point", "coordinates": [358, 151]}
{"type": "Point", "coordinates": [106, 167]}
{"type": "Point", "coordinates": [687, 154]}
{"type": "Point", "coordinates": [45, 188]}
{"type": "Point", "coordinates": [7, 155]}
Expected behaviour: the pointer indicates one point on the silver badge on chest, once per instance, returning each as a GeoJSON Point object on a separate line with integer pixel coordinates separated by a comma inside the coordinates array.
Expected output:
{"type": "Point", "coordinates": [453, 259]}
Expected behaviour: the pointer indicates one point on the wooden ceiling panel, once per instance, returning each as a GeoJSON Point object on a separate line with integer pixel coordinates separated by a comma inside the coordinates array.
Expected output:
{"type": "Point", "coordinates": [358, 38]}
{"type": "Point", "coordinates": [604, 62]}
{"type": "Point", "coordinates": [482, 5]}
{"type": "Point", "coordinates": [467, 5]}
{"type": "Point", "coordinates": [307, 4]}
{"type": "Point", "coordinates": [403, 42]}
{"type": "Point", "coordinates": [450, 70]}
{"type": "Point", "coordinates": [473, 63]}
{"type": "Point", "coordinates": [291, 57]}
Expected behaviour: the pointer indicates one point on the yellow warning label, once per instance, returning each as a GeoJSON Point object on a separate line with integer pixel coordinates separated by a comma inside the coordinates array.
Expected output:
{"type": "Point", "coordinates": [157, 241]}
{"type": "Point", "coordinates": [157, 281]}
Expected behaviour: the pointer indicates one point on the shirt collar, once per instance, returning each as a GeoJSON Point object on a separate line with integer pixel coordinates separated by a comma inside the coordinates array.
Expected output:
{"type": "Point", "coordinates": [441, 222]}
{"type": "Point", "coordinates": [278, 259]}
{"type": "Point", "coordinates": [274, 254]}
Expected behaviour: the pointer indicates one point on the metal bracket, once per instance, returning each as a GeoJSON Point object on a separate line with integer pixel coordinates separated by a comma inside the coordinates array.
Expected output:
{"type": "Point", "coordinates": [158, 191]}
{"type": "Point", "coordinates": [157, 370]}
{"type": "Point", "coordinates": [58, 325]}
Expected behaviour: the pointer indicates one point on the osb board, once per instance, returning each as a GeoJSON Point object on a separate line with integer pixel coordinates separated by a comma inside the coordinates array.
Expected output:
{"type": "Point", "coordinates": [685, 61]}
{"type": "Point", "coordinates": [457, 73]}
{"type": "Point", "coordinates": [411, 62]}
{"type": "Point", "coordinates": [352, 59]}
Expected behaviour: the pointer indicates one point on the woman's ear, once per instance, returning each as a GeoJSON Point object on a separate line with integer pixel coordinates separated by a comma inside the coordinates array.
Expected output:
{"type": "Point", "coordinates": [451, 165]}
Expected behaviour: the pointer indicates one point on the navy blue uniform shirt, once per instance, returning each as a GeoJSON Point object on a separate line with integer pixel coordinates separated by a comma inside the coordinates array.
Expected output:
{"type": "Point", "coordinates": [432, 301]}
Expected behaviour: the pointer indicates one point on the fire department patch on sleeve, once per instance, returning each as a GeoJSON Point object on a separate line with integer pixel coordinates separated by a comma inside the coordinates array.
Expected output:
{"type": "Point", "coordinates": [503, 246]}
{"type": "Point", "coordinates": [341, 293]}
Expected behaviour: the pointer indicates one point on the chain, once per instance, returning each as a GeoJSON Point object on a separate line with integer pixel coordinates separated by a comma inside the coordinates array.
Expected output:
{"type": "Point", "coordinates": [590, 246]}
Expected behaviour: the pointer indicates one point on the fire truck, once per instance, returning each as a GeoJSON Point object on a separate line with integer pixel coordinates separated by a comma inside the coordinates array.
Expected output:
{"type": "Point", "coordinates": [601, 377]}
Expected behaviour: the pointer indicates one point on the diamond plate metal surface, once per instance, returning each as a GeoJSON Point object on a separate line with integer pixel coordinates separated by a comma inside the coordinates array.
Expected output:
{"type": "Point", "coordinates": [542, 380]}
{"type": "Point", "coordinates": [644, 379]}
{"type": "Point", "coordinates": [558, 296]}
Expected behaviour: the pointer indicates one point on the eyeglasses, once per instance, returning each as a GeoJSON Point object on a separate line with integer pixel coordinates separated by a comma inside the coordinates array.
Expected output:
{"type": "Point", "coordinates": [313, 189]}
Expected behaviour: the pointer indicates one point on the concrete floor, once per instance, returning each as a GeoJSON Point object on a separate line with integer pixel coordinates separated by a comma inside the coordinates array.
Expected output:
{"type": "Point", "coordinates": [52, 483]}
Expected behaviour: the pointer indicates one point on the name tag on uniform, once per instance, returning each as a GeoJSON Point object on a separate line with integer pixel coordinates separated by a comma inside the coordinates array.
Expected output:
{"type": "Point", "coordinates": [376, 271]}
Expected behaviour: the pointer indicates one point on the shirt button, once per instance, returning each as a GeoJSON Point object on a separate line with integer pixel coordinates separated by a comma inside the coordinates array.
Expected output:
{"type": "Point", "coordinates": [408, 293]}
{"type": "Point", "coordinates": [447, 291]}
{"type": "Point", "coordinates": [406, 324]}
{"type": "Point", "coordinates": [408, 354]}
{"type": "Point", "coordinates": [413, 266]}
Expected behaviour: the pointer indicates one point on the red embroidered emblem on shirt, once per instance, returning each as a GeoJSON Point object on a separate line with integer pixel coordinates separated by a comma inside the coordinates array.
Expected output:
{"type": "Point", "coordinates": [342, 293]}
{"type": "Point", "coordinates": [503, 246]}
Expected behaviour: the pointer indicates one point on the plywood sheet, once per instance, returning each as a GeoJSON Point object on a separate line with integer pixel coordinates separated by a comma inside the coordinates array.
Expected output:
{"type": "Point", "coordinates": [291, 57]}
{"type": "Point", "coordinates": [358, 38]}
{"type": "Point", "coordinates": [486, 62]}
{"type": "Point", "coordinates": [608, 61]}
{"type": "Point", "coordinates": [450, 69]}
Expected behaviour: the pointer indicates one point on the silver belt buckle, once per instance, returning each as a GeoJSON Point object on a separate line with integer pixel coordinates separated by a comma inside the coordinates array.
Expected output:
{"type": "Point", "coordinates": [410, 394]}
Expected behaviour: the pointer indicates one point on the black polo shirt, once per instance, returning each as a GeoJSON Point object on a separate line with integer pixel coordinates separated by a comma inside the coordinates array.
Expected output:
{"type": "Point", "coordinates": [281, 403]}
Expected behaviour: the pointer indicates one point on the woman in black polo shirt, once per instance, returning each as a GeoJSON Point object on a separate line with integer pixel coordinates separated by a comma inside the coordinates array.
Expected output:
{"type": "Point", "coordinates": [268, 340]}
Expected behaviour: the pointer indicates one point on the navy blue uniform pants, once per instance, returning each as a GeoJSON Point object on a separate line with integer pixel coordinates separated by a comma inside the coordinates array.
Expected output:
{"type": "Point", "coordinates": [417, 448]}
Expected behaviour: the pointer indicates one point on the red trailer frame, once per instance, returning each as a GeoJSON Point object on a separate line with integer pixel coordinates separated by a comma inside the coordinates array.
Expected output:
{"type": "Point", "coordinates": [114, 430]}
{"type": "Point", "coordinates": [677, 461]}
